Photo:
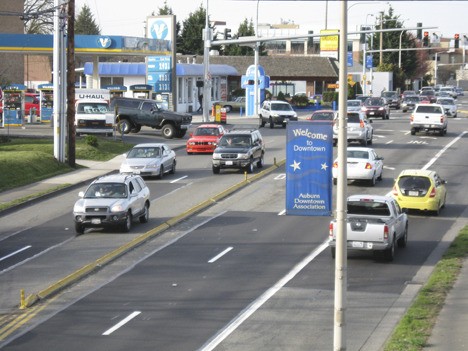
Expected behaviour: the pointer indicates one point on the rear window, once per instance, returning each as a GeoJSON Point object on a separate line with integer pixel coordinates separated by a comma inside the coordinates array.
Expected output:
{"type": "Point", "coordinates": [353, 118]}
{"type": "Point", "coordinates": [368, 208]}
{"type": "Point", "coordinates": [374, 102]}
{"type": "Point", "coordinates": [281, 107]}
{"type": "Point", "coordinates": [322, 116]}
{"type": "Point", "coordinates": [428, 109]}
{"type": "Point", "coordinates": [419, 183]}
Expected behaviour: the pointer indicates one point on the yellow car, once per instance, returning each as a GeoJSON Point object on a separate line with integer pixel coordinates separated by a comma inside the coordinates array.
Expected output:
{"type": "Point", "coordinates": [419, 189]}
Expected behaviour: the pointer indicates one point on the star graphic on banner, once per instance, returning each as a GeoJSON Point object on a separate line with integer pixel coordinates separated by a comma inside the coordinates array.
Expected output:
{"type": "Point", "coordinates": [324, 166]}
{"type": "Point", "coordinates": [296, 165]}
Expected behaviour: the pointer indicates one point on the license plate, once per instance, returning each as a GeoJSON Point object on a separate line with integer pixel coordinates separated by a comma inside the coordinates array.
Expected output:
{"type": "Point", "coordinates": [371, 113]}
{"type": "Point", "coordinates": [427, 126]}
{"type": "Point", "coordinates": [96, 221]}
{"type": "Point", "coordinates": [229, 163]}
{"type": "Point", "coordinates": [136, 172]}
{"type": "Point", "coordinates": [413, 193]}
{"type": "Point", "coordinates": [358, 244]}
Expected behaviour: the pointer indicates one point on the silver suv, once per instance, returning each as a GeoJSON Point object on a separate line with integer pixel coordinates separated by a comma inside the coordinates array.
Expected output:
{"type": "Point", "coordinates": [112, 201]}
{"type": "Point", "coordinates": [276, 113]}
{"type": "Point", "coordinates": [239, 149]}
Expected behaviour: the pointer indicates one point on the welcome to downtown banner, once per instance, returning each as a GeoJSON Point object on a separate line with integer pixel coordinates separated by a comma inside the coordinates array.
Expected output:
{"type": "Point", "coordinates": [309, 161]}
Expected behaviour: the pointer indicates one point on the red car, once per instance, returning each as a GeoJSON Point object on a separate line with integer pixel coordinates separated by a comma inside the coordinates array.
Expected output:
{"type": "Point", "coordinates": [31, 100]}
{"type": "Point", "coordinates": [322, 115]}
{"type": "Point", "coordinates": [205, 138]}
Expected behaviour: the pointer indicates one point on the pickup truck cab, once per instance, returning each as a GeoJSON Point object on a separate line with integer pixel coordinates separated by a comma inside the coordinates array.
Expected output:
{"type": "Point", "coordinates": [374, 223]}
{"type": "Point", "coordinates": [429, 118]}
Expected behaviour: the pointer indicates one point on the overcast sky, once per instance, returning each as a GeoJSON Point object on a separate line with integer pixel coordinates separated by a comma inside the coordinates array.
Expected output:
{"type": "Point", "coordinates": [124, 17]}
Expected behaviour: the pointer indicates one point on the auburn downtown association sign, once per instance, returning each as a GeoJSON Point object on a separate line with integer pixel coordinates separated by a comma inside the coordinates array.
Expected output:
{"type": "Point", "coordinates": [309, 160]}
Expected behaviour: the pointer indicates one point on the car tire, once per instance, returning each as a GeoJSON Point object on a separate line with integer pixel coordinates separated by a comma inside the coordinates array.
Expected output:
{"type": "Point", "coordinates": [136, 129]}
{"type": "Point", "coordinates": [369, 142]}
{"type": "Point", "coordinates": [413, 131]}
{"type": "Point", "coordinates": [124, 126]}
{"type": "Point", "coordinates": [145, 216]}
{"type": "Point", "coordinates": [127, 225]}
{"type": "Point", "coordinates": [380, 177]}
{"type": "Point", "coordinates": [262, 122]}
{"type": "Point", "coordinates": [372, 181]}
{"type": "Point", "coordinates": [284, 125]}
{"type": "Point", "coordinates": [260, 162]}
{"type": "Point", "coordinates": [389, 254]}
{"type": "Point", "coordinates": [403, 240]}
{"type": "Point", "coordinates": [168, 131]}
{"type": "Point", "coordinates": [181, 133]}
{"type": "Point", "coordinates": [250, 167]}
{"type": "Point", "coordinates": [272, 124]}
{"type": "Point", "coordinates": [364, 141]}
{"type": "Point", "coordinates": [335, 181]}
{"type": "Point", "coordinates": [161, 172]}
{"type": "Point", "coordinates": [173, 167]}
{"type": "Point", "coordinates": [228, 108]}
{"type": "Point", "coordinates": [79, 228]}
{"type": "Point", "coordinates": [333, 252]}
{"type": "Point", "coordinates": [216, 170]}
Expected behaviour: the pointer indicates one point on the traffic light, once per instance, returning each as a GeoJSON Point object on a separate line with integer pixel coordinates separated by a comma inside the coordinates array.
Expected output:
{"type": "Point", "coordinates": [426, 39]}
{"type": "Point", "coordinates": [457, 41]}
{"type": "Point", "coordinates": [227, 33]}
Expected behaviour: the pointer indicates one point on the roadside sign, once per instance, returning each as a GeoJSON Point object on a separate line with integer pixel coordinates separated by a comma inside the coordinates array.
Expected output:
{"type": "Point", "coordinates": [309, 161]}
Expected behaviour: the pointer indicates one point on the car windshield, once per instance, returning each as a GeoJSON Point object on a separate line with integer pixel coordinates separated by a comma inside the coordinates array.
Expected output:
{"type": "Point", "coordinates": [368, 208]}
{"type": "Point", "coordinates": [281, 107]}
{"type": "Point", "coordinates": [412, 99]}
{"type": "Point", "coordinates": [106, 190]}
{"type": "Point", "coordinates": [235, 141]}
{"type": "Point", "coordinates": [414, 183]}
{"type": "Point", "coordinates": [374, 102]}
{"type": "Point", "coordinates": [206, 131]}
{"type": "Point", "coordinates": [354, 103]}
{"type": "Point", "coordinates": [322, 116]}
{"type": "Point", "coordinates": [389, 94]}
{"type": "Point", "coordinates": [144, 152]}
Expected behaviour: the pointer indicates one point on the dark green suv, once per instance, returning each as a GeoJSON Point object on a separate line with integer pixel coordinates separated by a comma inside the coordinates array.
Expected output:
{"type": "Point", "coordinates": [239, 149]}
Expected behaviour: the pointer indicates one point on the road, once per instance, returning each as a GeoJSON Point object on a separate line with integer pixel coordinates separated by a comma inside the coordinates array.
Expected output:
{"type": "Point", "coordinates": [238, 276]}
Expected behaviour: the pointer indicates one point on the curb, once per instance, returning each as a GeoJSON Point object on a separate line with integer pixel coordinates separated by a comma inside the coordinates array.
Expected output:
{"type": "Point", "coordinates": [109, 257]}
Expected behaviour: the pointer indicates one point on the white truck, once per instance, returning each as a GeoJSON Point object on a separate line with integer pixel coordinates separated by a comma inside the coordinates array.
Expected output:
{"type": "Point", "coordinates": [374, 223]}
{"type": "Point", "coordinates": [92, 114]}
{"type": "Point", "coordinates": [429, 118]}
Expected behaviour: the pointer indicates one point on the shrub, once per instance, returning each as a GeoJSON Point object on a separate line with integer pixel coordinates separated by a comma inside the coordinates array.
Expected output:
{"type": "Point", "coordinates": [300, 100]}
{"type": "Point", "coordinates": [91, 140]}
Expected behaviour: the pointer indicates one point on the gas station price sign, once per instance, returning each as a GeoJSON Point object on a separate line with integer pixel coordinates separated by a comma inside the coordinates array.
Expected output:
{"type": "Point", "coordinates": [160, 73]}
{"type": "Point", "coordinates": [309, 161]}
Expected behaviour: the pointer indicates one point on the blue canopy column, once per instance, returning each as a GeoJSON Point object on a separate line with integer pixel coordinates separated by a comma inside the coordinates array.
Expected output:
{"type": "Point", "coordinates": [248, 83]}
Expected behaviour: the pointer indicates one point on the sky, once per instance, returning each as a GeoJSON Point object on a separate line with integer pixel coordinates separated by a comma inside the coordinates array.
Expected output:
{"type": "Point", "coordinates": [127, 18]}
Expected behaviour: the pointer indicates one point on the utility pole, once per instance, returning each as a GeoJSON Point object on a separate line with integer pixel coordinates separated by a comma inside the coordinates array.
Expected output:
{"type": "Point", "coordinates": [381, 38]}
{"type": "Point", "coordinates": [206, 62]}
{"type": "Point", "coordinates": [71, 84]}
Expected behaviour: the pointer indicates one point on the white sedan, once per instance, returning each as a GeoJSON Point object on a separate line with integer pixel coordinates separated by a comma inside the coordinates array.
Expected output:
{"type": "Point", "coordinates": [151, 159]}
{"type": "Point", "coordinates": [363, 164]}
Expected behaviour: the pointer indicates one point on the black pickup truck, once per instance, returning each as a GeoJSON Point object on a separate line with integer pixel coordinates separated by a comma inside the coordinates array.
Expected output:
{"type": "Point", "coordinates": [131, 114]}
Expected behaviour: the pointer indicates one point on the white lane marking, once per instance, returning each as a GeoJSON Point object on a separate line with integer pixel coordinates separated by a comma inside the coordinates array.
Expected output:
{"type": "Point", "coordinates": [391, 168]}
{"type": "Point", "coordinates": [221, 254]}
{"type": "Point", "coordinates": [176, 180]}
{"type": "Point", "coordinates": [280, 176]}
{"type": "Point", "coordinates": [282, 213]}
{"type": "Point", "coordinates": [389, 142]}
{"type": "Point", "coordinates": [121, 323]}
{"type": "Point", "coordinates": [255, 305]}
{"type": "Point", "coordinates": [14, 253]}
{"type": "Point", "coordinates": [429, 164]}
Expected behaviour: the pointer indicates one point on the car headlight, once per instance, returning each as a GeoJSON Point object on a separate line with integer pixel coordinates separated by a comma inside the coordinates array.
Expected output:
{"type": "Point", "coordinates": [216, 156]}
{"type": "Point", "coordinates": [117, 208]}
{"type": "Point", "coordinates": [274, 115]}
{"type": "Point", "coordinates": [381, 108]}
{"type": "Point", "coordinates": [154, 164]}
{"type": "Point", "coordinates": [79, 207]}
{"type": "Point", "coordinates": [243, 156]}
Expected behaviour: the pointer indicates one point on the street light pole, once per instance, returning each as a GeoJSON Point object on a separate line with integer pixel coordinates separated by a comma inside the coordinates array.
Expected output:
{"type": "Point", "coordinates": [399, 52]}
{"type": "Point", "coordinates": [206, 68]}
{"type": "Point", "coordinates": [256, 48]}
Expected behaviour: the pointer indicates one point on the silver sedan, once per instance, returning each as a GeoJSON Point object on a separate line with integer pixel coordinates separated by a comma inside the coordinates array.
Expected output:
{"type": "Point", "coordinates": [148, 160]}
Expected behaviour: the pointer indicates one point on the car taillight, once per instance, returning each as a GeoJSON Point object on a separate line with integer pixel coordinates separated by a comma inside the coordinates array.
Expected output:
{"type": "Point", "coordinates": [368, 166]}
{"type": "Point", "coordinates": [361, 123]}
{"type": "Point", "coordinates": [411, 118]}
{"type": "Point", "coordinates": [385, 232]}
{"type": "Point", "coordinates": [433, 192]}
{"type": "Point", "coordinates": [442, 119]}
{"type": "Point", "coordinates": [330, 228]}
{"type": "Point", "coordinates": [335, 164]}
{"type": "Point", "coordinates": [395, 191]}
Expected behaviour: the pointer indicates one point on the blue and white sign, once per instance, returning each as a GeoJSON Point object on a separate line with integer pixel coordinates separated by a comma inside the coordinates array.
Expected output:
{"type": "Point", "coordinates": [104, 42]}
{"type": "Point", "coordinates": [160, 28]}
{"type": "Point", "coordinates": [160, 73]}
{"type": "Point", "coordinates": [309, 161]}
{"type": "Point", "coordinates": [369, 62]}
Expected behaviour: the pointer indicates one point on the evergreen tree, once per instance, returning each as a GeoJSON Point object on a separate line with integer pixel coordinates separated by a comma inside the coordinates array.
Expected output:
{"type": "Point", "coordinates": [85, 23]}
{"type": "Point", "coordinates": [191, 40]}
{"type": "Point", "coordinates": [246, 29]}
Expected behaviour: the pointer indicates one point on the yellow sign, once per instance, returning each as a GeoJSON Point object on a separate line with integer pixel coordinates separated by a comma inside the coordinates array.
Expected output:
{"type": "Point", "coordinates": [329, 42]}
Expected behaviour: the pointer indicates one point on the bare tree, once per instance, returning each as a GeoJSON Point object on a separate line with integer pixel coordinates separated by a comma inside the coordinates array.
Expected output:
{"type": "Point", "coordinates": [38, 16]}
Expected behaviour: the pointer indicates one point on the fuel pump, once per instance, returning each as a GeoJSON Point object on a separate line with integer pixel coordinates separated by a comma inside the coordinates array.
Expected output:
{"type": "Point", "coordinates": [46, 97]}
{"type": "Point", "coordinates": [142, 91]}
{"type": "Point", "coordinates": [13, 105]}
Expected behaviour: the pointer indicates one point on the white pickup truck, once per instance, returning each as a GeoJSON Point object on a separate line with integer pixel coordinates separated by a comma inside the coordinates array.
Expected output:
{"type": "Point", "coordinates": [429, 118]}
{"type": "Point", "coordinates": [374, 223]}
